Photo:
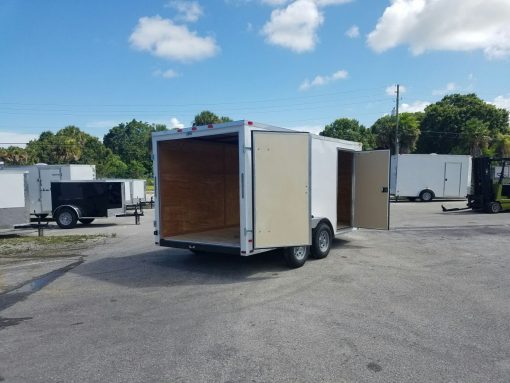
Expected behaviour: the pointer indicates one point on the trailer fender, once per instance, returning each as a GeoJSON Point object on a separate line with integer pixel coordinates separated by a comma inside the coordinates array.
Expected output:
{"type": "Point", "coordinates": [318, 220]}
{"type": "Point", "coordinates": [75, 208]}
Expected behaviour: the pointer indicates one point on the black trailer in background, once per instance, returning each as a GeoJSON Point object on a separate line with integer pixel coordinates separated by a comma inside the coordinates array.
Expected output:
{"type": "Point", "coordinates": [83, 201]}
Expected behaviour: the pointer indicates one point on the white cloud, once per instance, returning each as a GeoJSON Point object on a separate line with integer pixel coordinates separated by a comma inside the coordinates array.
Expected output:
{"type": "Point", "coordinates": [447, 25]}
{"type": "Point", "coordinates": [168, 74]}
{"type": "Point", "coordinates": [392, 90]}
{"type": "Point", "coordinates": [187, 11]}
{"type": "Point", "coordinates": [275, 3]}
{"type": "Point", "coordinates": [175, 124]}
{"type": "Point", "coordinates": [323, 80]}
{"type": "Point", "coordinates": [449, 88]}
{"type": "Point", "coordinates": [417, 106]}
{"type": "Point", "coordinates": [320, 3]}
{"type": "Point", "coordinates": [294, 27]}
{"type": "Point", "coordinates": [15, 139]}
{"type": "Point", "coordinates": [315, 129]}
{"type": "Point", "coordinates": [162, 38]}
{"type": "Point", "coordinates": [352, 32]}
{"type": "Point", "coordinates": [502, 102]}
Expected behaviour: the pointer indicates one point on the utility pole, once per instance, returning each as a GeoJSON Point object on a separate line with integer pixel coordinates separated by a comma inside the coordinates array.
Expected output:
{"type": "Point", "coordinates": [398, 119]}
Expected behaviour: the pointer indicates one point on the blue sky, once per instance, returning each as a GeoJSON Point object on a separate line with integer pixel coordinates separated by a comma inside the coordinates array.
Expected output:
{"type": "Point", "coordinates": [298, 64]}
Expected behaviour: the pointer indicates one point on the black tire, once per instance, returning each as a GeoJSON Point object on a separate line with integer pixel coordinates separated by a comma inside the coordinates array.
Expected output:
{"type": "Point", "coordinates": [493, 207]}
{"type": "Point", "coordinates": [296, 256]}
{"type": "Point", "coordinates": [66, 218]}
{"type": "Point", "coordinates": [321, 242]}
{"type": "Point", "coordinates": [86, 221]}
{"type": "Point", "coordinates": [427, 195]}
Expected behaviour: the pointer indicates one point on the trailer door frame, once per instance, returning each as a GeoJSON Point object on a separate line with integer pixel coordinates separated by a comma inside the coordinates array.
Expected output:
{"type": "Point", "coordinates": [281, 189]}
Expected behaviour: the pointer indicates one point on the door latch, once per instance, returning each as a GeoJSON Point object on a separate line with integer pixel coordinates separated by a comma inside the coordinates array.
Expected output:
{"type": "Point", "coordinates": [384, 189]}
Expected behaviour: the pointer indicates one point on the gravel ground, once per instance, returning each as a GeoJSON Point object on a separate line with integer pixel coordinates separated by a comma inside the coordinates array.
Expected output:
{"type": "Point", "coordinates": [427, 301]}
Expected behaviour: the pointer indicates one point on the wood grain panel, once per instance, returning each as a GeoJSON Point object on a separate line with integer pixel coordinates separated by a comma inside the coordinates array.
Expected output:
{"type": "Point", "coordinates": [199, 186]}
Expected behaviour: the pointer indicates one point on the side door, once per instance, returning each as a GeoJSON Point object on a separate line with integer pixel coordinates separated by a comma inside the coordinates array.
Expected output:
{"type": "Point", "coordinates": [281, 189]}
{"type": "Point", "coordinates": [46, 177]}
{"type": "Point", "coordinates": [371, 190]}
{"type": "Point", "coordinates": [452, 175]}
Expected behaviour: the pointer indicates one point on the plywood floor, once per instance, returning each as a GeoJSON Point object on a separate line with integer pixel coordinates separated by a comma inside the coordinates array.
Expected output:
{"type": "Point", "coordinates": [228, 236]}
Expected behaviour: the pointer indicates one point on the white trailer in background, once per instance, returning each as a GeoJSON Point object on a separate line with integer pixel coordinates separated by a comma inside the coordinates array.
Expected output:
{"type": "Point", "coordinates": [41, 176]}
{"type": "Point", "coordinates": [14, 201]}
{"type": "Point", "coordinates": [134, 189]}
{"type": "Point", "coordinates": [245, 188]}
{"type": "Point", "coordinates": [429, 176]}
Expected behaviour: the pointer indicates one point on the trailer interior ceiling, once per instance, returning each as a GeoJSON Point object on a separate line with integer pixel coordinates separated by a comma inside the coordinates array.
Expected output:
{"type": "Point", "coordinates": [199, 179]}
{"type": "Point", "coordinates": [344, 189]}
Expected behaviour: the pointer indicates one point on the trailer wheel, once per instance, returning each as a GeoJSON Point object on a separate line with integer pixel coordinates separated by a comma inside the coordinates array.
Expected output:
{"type": "Point", "coordinates": [296, 256]}
{"type": "Point", "coordinates": [493, 207]}
{"type": "Point", "coordinates": [427, 195]}
{"type": "Point", "coordinates": [322, 240]}
{"type": "Point", "coordinates": [66, 218]}
{"type": "Point", "coordinates": [86, 221]}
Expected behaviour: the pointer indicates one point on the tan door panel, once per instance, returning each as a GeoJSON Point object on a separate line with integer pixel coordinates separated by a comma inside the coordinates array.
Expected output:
{"type": "Point", "coordinates": [371, 189]}
{"type": "Point", "coordinates": [281, 192]}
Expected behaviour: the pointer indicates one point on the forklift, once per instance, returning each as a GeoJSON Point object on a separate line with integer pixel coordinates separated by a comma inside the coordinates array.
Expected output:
{"type": "Point", "coordinates": [490, 190]}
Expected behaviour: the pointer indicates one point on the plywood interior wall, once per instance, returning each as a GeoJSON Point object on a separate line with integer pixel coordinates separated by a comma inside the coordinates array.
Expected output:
{"type": "Point", "coordinates": [344, 189]}
{"type": "Point", "coordinates": [199, 186]}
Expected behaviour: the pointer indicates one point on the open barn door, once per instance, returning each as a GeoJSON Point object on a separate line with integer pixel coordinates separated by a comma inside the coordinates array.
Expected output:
{"type": "Point", "coordinates": [281, 189]}
{"type": "Point", "coordinates": [371, 189]}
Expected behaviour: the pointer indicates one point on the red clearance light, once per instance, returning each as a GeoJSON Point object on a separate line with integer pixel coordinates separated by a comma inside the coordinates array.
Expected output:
{"type": "Point", "coordinates": [250, 240]}
{"type": "Point", "coordinates": [210, 126]}
{"type": "Point", "coordinates": [194, 128]}
{"type": "Point", "coordinates": [250, 122]}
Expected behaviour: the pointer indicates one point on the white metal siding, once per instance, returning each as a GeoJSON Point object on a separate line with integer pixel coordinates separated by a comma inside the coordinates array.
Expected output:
{"type": "Point", "coordinates": [12, 190]}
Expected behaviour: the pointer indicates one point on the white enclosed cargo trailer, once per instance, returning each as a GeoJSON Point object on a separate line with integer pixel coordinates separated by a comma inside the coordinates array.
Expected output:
{"type": "Point", "coordinates": [244, 187]}
{"type": "Point", "coordinates": [135, 190]}
{"type": "Point", "coordinates": [14, 201]}
{"type": "Point", "coordinates": [429, 176]}
{"type": "Point", "coordinates": [41, 176]}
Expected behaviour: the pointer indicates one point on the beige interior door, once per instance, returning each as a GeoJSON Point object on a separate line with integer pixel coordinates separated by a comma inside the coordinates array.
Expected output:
{"type": "Point", "coordinates": [371, 189]}
{"type": "Point", "coordinates": [281, 189]}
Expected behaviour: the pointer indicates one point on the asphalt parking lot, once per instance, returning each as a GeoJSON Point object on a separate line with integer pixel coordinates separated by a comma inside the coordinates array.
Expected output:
{"type": "Point", "coordinates": [428, 301]}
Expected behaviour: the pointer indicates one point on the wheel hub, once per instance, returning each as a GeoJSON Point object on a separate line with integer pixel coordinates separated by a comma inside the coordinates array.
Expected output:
{"type": "Point", "coordinates": [299, 252]}
{"type": "Point", "coordinates": [65, 218]}
{"type": "Point", "coordinates": [324, 241]}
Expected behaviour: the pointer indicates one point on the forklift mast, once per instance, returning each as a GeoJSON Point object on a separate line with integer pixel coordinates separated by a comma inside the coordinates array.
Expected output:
{"type": "Point", "coordinates": [482, 191]}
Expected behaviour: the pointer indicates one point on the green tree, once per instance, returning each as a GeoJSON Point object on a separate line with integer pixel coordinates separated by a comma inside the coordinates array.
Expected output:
{"type": "Point", "coordinates": [501, 145]}
{"type": "Point", "coordinates": [408, 132]}
{"type": "Point", "coordinates": [132, 142]}
{"type": "Point", "coordinates": [68, 145]}
{"type": "Point", "coordinates": [206, 117]}
{"type": "Point", "coordinates": [112, 167]}
{"type": "Point", "coordinates": [14, 155]}
{"type": "Point", "coordinates": [351, 130]}
{"type": "Point", "coordinates": [445, 129]}
{"type": "Point", "coordinates": [474, 138]}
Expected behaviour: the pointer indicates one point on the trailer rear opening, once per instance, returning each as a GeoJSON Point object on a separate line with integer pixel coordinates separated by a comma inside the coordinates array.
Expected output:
{"type": "Point", "coordinates": [344, 205]}
{"type": "Point", "coordinates": [200, 178]}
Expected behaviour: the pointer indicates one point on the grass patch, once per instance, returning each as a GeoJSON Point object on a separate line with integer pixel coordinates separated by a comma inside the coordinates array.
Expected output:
{"type": "Point", "coordinates": [57, 245]}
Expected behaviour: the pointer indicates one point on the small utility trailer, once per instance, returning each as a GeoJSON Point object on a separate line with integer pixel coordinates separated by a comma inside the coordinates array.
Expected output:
{"type": "Point", "coordinates": [83, 201]}
{"type": "Point", "coordinates": [429, 176]}
{"type": "Point", "coordinates": [243, 187]}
